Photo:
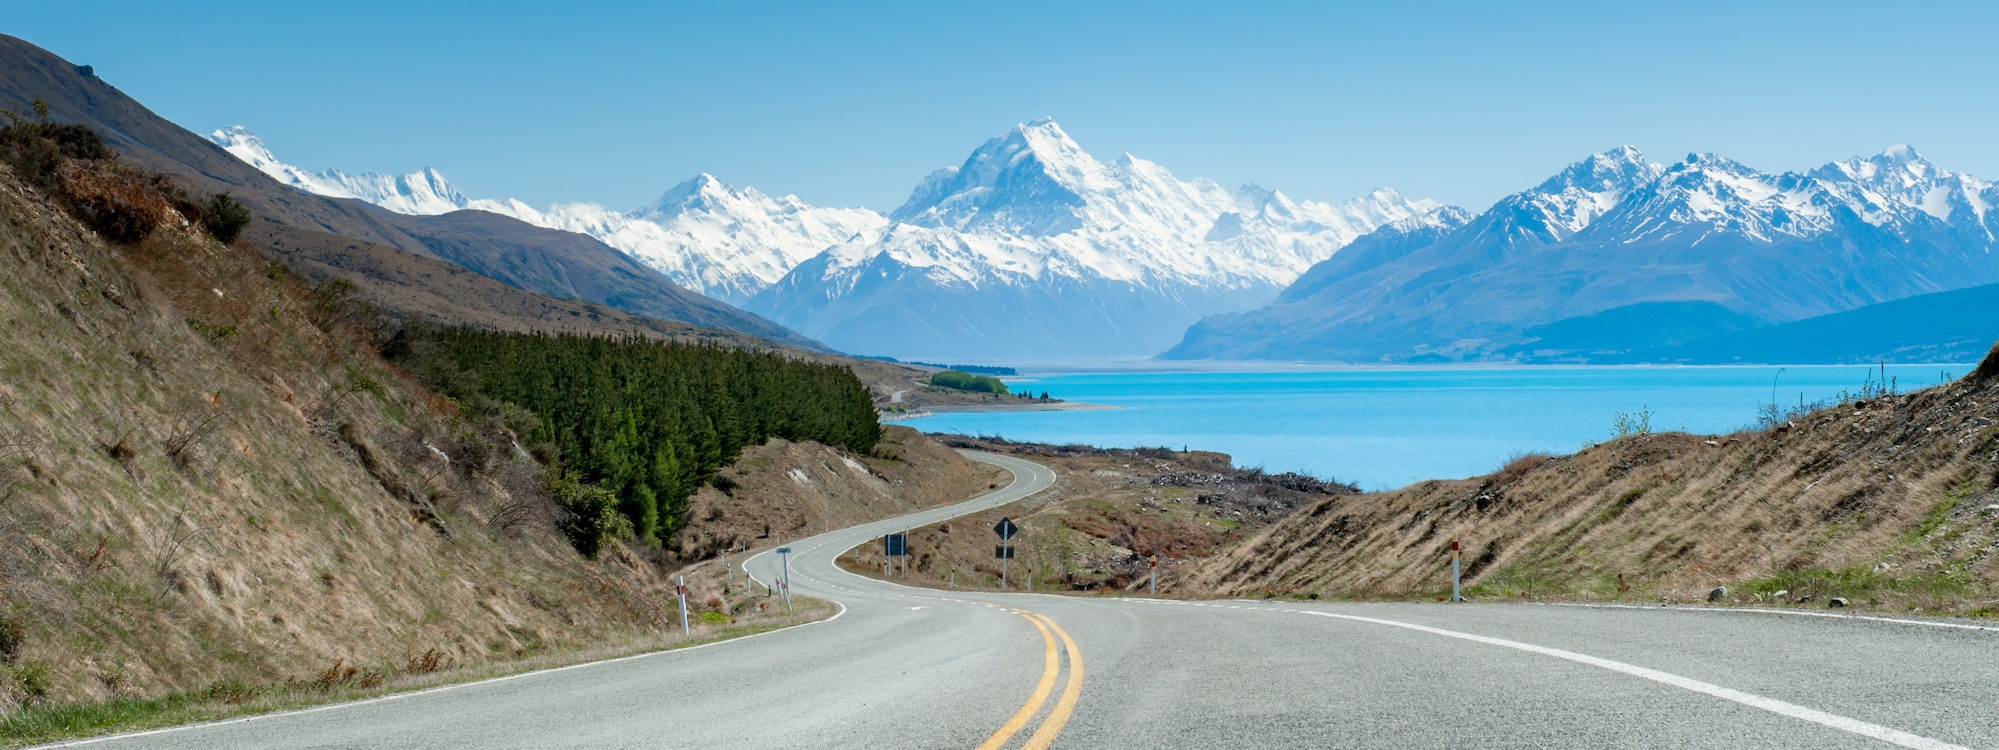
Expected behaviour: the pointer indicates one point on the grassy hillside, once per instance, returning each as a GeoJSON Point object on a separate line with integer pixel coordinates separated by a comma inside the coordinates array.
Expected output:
{"type": "Point", "coordinates": [215, 495]}
{"type": "Point", "coordinates": [1891, 502]}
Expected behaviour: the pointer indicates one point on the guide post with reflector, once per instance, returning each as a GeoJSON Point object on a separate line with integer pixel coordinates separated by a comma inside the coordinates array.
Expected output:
{"type": "Point", "coordinates": [1455, 595]}
{"type": "Point", "coordinates": [680, 590]}
{"type": "Point", "coordinates": [1152, 575]}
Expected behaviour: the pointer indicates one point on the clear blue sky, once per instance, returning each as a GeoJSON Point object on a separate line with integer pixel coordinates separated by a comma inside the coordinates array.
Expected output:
{"type": "Point", "coordinates": [1464, 102]}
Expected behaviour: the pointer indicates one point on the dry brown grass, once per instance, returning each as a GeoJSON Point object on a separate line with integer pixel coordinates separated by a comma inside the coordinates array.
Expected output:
{"type": "Point", "coordinates": [1880, 500]}
{"type": "Point", "coordinates": [193, 511]}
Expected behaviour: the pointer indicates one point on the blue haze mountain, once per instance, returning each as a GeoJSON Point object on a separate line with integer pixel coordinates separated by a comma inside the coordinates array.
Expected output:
{"type": "Point", "coordinates": [1616, 254]}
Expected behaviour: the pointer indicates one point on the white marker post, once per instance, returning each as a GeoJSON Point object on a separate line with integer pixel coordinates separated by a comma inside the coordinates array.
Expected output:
{"type": "Point", "coordinates": [1455, 596]}
{"type": "Point", "coordinates": [1152, 576]}
{"type": "Point", "coordinates": [680, 590]}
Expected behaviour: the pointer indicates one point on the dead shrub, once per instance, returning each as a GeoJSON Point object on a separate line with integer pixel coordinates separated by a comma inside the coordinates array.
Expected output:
{"type": "Point", "coordinates": [123, 205]}
{"type": "Point", "coordinates": [336, 674]}
{"type": "Point", "coordinates": [126, 453]}
{"type": "Point", "coordinates": [526, 504]}
{"type": "Point", "coordinates": [427, 662]}
{"type": "Point", "coordinates": [1988, 368]}
{"type": "Point", "coordinates": [183, 442]}
{"type": "Point", "coordinates": [234, 693]}
{"type": "Point", "coordinates": [1518, 465]}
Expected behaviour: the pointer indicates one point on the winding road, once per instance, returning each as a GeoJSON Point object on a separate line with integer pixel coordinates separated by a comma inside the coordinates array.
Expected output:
{"type": "Point", "coordinates": [918, 668]}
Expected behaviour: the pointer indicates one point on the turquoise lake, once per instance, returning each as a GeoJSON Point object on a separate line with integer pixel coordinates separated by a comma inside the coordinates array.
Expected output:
{"type": "Point", "coordinates": [1387, 427]}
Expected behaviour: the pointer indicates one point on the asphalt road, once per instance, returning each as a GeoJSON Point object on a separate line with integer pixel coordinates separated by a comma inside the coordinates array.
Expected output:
{"type": "Point", "coordinates": [904, 667]}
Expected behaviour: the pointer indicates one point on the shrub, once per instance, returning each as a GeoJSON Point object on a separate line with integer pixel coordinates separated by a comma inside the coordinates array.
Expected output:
{"type": "Point", "coordinates": [1632, 423]}
{"type": "Point", "coordinates": [36, 147]}
{"type": "Point", "coordinates": [32, 678]}
{"type": "Point", "coordinates": [594, 521]}
{"type": "Point", "coordinates": [224, 217]}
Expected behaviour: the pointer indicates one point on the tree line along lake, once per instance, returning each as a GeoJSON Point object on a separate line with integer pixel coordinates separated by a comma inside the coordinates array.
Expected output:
{"type": "Point", "coordinates": [1385, 427]}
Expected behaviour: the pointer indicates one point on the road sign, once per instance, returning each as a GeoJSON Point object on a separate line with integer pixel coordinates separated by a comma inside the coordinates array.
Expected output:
{"type": "Point", "coordinates": [1005, 528]}
{"type": "Point", "coordinates": [1003, 552]}
{"type": "Point", "coordinates": [784, 550]}
{"type": "Point", "coordinates": [895, 545]}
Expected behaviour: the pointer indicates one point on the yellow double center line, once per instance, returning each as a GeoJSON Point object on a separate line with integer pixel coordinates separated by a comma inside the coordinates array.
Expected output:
{"type": "Point", "coordinates": [1051, 667]}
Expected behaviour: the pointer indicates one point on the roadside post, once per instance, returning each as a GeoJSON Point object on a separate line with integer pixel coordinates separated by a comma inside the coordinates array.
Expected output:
{"type": "Point", "coordinates": [784, 554]}
{"type": "Point", "coordinates": [1005, 529]}
{"type": "Point", "coordinates": [680, 590]}
{"type": "Point", "coordinates": [896, 548]}
{"type": "Point", "coordinates": [1152, 575]}
{"type": "Point", "coordinates": [1455, 596]}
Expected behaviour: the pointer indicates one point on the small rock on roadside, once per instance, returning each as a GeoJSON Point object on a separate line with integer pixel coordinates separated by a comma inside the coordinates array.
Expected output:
{"type": "Point", "coordinates": [1719, 593]}
{"type": "Point", "coordinates": [1990, 509]}
{"type": "Point", "coordinates": [1836, 602]}
{"type": "Point", "coordinates": [1781, 593]}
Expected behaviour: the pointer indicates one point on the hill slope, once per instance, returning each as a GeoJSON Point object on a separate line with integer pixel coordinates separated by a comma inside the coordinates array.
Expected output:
{"type": "Point", "coordinates": [1615, 230]}
{"type": "Point", "coordinates": [1953, 326]}
{"type": "Point", "coordinates": [215, 494]}
{"type": "Point", "coordinates": [506, 249]}
{"type": "Point", "coordinates": [1891, 501]}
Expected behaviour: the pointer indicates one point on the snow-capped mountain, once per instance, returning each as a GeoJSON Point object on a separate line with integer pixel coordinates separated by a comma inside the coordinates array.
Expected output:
{"type": "Point", "coordinates": [1616, 253]}
{"type": "Point", "coordinates": [726, 242]}
{"type": "Point", "coordinates": [419, 193]}
{"type": "Point", "coordinates": [1034, 250]}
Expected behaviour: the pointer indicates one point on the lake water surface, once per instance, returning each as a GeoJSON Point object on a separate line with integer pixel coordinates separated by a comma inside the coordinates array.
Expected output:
{"type": "Point", "coordinates": [1387, 427]}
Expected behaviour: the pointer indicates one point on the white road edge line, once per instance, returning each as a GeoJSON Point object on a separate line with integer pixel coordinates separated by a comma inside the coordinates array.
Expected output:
{"type": "Point", "coordinates": [1793, 710]}
{"type": "Point", "coordinates": [1794, 612]}
{"type": "Point", "coordinates": [438, 689]}
{"type": "Point", "coordinates": [745, 564]}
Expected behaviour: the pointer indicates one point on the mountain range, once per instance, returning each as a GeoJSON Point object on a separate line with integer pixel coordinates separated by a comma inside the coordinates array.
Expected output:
{"type": "Point", "coordinates": [1616, 254]}
{"type": "Point", "coordinates": [723, 241]}
{"type": "Point", "coordinates": [1032, 249]}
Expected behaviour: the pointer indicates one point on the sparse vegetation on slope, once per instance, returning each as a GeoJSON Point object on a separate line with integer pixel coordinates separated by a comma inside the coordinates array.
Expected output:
{"type": "Point", "coordinates": [1890, 501]}
{"type": "Point", "coordinates": [1111, 512]}
{"type": "Point", "coordinates": [216, 496]}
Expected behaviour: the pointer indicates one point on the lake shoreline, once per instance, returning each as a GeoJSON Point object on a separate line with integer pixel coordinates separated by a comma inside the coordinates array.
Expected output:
{"type": "Point", "coordinates": [930, 411]}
